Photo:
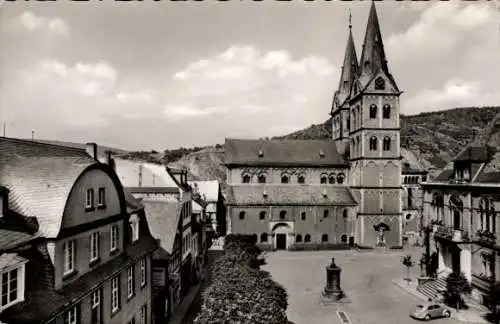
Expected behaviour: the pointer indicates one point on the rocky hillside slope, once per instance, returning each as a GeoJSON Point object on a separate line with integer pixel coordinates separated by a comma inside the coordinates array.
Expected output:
{"type": "Point", "coordinates": [435, 138]}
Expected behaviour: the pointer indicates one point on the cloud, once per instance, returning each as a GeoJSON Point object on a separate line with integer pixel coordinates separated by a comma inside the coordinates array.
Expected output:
{"type": "Point", "coordinates": [32, 22]}
{"type": "Point", "coordinates": [262, 86]}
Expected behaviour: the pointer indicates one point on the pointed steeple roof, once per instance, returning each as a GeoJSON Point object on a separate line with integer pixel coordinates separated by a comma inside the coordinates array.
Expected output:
{"type": "Point", "coordinates": [350, 69]}
{"type": "Point", "coordinates": [373, 55]}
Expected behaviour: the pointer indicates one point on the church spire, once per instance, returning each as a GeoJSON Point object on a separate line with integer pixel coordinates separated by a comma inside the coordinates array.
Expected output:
{"type": "Point", "coordinates": [350, 66]}
{"type": "Point", "coordinates": [373, 55]}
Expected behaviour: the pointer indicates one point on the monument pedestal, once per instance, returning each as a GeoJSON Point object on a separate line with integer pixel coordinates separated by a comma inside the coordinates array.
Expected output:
{"type": "Point", "coordinates": [332, 293]}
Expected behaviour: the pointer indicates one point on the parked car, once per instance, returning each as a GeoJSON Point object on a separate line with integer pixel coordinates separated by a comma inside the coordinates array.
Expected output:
{"type": "Point", "coordinates": [430, 310]}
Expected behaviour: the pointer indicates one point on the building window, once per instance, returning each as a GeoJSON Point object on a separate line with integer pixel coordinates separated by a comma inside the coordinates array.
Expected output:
{"type": "Point", "coordinates": [262, 215]}
{"type": "Point", "coordinates": [262, 178]}
{"type": "Point", "coordinates": [343, 238]}
{"type": "Point", "coordinates": [71, 316]}
{"type": "Point", "coordinates": [410, 198]}
{"type": "Point", "coordinates": [387, 144]}
{"type": "Point", "coordinates": [325, 213]}
{"type": "Point", "coordinates": [242, 215]}
{"type": "Point", "coordinates": [323, 179]}
{"type": "Point", "coordinates": [408, 216]}
{"type": "Point", "coordinates": [331, 179]}
{"type": "Point", "coordinates": [246, 178]}
{"type": "Point", "coordinates": [386, 112]}
{"type": "Point", "coordinates": [324, 238]}
{"type": "Point", "coordinates": [344, 214]}
{"type": "Point", "coordinates": [101, 197]}
{"type": "Point", "coordinates": [144, 313]}
{"type": "Point", "coordinates": [12, 286]}
{"type": "Point", "coordinates": [307, 238]}
{"type": "Point", "coordinates": [373, 143]}
{"type": "Point", "coordinates": [379, 83]}
{"type": "Point", "coordinates": [303, 216]}
{"type": "Point", "coordinates": [96, 307]}
{"type": "Point", "coordinates": [94, 246]}
{"type": "Point", "coordinates": [298, 238]}
{"type": "Point", "coordinates": [69, 256]}
{"type": "Point", "coordinates": [263, 237]}
{"type": "Point", "coordinates": [134, 227]}
{"type": "Point", "coordinates": [130, 282]}
{"type": "Point", "coordinates": [282, 214]}
{"type": "Point", "coordinates": [340, 178]}
{"type": "Point", "coordinates": [142, 267]}
{"type": "Point", "coordinates": [90, 199]}
{"type": "Point", "coordinates": [284, 178]}
{"type": "Point", "coordinates": [114, 238]}
{"type": "Point", "coordinates": [354, 119]}
{"type": "Point", "coordinates": [373, 111]}
{"type": "Point", "coordinates": [301, 179]}
{"type": "Point", "coordinates": [115, 294]}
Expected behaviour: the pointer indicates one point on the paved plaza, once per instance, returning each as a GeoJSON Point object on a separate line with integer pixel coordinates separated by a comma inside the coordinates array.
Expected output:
{"type": "Point", "coordinates": [367, 279]}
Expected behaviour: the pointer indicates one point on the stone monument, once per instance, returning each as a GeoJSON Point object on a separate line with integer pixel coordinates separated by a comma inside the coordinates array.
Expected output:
{"type": "Point", "coordinates": [332, 291]}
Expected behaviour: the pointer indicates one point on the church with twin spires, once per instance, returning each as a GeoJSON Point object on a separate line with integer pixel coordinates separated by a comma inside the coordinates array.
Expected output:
{"type": "Point", "coordinates": [344, 191]}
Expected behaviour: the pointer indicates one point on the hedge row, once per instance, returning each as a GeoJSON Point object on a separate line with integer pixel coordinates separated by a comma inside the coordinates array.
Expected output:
{"type": "Point", "coordinates": [240, 291]}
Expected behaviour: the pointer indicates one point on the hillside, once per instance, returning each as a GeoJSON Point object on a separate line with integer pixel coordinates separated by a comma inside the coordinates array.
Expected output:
{"type": "Point", "coordinates": [435, 138]}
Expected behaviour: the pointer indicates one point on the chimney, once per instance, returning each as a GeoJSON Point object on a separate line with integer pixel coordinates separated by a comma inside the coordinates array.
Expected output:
{"type": "Point", "coordinates": [109, 159]}
{"type": "Point", "coordinates": [91, 149]}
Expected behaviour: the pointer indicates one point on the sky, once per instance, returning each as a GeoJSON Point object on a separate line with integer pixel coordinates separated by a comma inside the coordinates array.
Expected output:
{"type": "Point", "coordinates": [148, 75]}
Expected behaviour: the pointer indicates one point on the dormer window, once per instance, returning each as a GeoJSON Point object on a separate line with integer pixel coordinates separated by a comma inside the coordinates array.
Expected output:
{"type": "Point", "coordinates": [321, 153]}
{"type": "Point", "coordinates": [340, 178]}
{"type": "Point", "coordinates": [262, 178]}
{"type": "Point", "coordinates": [134, 227]}
{"type": "Point", "coordinates": [246, 178]}
{"type": "Point", "coordinates": [261, 154]}
{"type": "Point", "coordinates": [323, 179]}
{"type": "Point", "coordinates": [331, 179]}
{"type": "Point", "coordinates": [12, 279]}
{"type": "Point", "coordinates": [301, 178]}
{"type": "Point", "coordinates": [462, 172]}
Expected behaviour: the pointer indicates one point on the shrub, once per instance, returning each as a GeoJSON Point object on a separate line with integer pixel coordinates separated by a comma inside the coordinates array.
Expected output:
{"type": "Point", "coordinates": [240, 291]}
{"type": "Point", "coordinates": [456, 286]}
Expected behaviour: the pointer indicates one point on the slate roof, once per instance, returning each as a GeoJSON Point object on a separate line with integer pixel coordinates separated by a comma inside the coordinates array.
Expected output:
{"type": "Point", "coordinates": [10, 239]}
{"type": "Point", "coordinates": [163, 218]}
{"type": "Point", "coordinates": [312, 195]}
{"type": "Point", "coordinates": [152, 175]}
{"type": "Point", "coordinates": [279, 152]}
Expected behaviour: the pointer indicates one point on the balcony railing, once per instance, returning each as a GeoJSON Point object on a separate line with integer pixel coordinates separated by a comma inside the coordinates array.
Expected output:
{"type": "Point", "coordinates": [485, 237]}
{"type": "Point", "coordinates": [450, 233]}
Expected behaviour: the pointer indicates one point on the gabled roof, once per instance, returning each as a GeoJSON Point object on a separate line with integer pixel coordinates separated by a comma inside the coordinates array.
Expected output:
{"type": "Point", "coordinates": [312, 195]}
{"type": "Point", "coordinates": [311, 153]}
{"type": "Point", "coordinates": [142, 174]}
{"type": "Point", "coordinates": [163, 220]}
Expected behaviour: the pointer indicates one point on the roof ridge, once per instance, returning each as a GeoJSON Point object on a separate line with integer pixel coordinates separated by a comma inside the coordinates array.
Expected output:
{"type": "Point", "coordinates": [20, 140]}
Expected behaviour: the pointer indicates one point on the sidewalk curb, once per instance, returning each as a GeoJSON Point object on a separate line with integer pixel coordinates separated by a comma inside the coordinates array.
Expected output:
{"type": "Point", "coordinates": [411, 292]}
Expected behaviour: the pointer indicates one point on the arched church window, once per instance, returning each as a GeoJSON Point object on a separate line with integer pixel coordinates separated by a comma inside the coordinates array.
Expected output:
{"type": "Point", "coordinates": [262, 178]}
{"type": "Point", "coordinates": [301, 178]}
{"type": "Point", "coordinates": [373, 111]}
{"type": "Point", "coordinates": [387, 143]}
{"type": "Point", "coordinates": [325, 213]}
{"type": "Point", "coordinates": [298, 238]}
{"type": "Point", "coordinates": [379, 83]}
{"type": "Point", "coordinates": [246, 178]}
{"type": "Point", "coordinates": [373, 143]}
{"type": "Point", "coordinates": [344, 214]}
{"type": "Point", "coordinates": [331, 179]}
{"type": "Point", "coordinates": [386, 111]}
{"type": "Point", "coordinates": [323, 179]}
{"type": "Point", "coordinates": [307, 238]}
{"type": "Point", "coordinates": [284, 178]}
{"type": "Point", "coordinates": [340, 178]}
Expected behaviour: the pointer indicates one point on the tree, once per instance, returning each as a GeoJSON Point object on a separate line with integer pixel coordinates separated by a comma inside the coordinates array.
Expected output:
{"type": "Point", "coordinates": [408, 262]}
{"type": "Point", "coordinates": [456, 286]}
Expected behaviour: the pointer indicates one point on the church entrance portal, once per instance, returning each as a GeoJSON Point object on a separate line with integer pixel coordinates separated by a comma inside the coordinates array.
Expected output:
{"type": "Point", "coordinates": [281, 241]}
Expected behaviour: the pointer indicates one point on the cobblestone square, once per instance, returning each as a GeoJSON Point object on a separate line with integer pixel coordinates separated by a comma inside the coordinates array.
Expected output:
{"type": "Point", "coordinates": [367, 280]}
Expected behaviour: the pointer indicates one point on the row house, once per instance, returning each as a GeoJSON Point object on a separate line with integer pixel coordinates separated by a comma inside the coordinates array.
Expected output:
{"type": "Point", "coordinates": [461, 205]}
{"type": "Point", "coordinates": [215, 209]}
{"type": "Point", "coordinates": [182, 253]}
{"type": "Point", "coordinates": [91, 259]}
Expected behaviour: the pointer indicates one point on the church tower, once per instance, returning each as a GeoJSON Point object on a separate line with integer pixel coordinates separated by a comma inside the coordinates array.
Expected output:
{"type": "Point", "coordinates": [374, 140]}
{"type": "Point", "coordinates": [340, 106]}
